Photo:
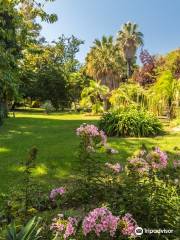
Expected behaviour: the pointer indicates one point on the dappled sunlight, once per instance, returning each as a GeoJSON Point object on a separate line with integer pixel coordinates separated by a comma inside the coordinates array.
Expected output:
{"type": "Point", "coordinates": [54, 136]}
{"type": "Point", "coordinates": [58, 116]}
{"type": "Point", "coordinates": [4, 150]}
{"type": "Point", "coordinates": [61, 172]}
{"type": "Point", "coordinates": [18, 168]}
{"type": "Point", "coordinates": [40, 170]}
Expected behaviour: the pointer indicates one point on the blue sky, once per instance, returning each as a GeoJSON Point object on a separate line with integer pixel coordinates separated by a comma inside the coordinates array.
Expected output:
{"type": "Point", "coordinates": [159, 20]}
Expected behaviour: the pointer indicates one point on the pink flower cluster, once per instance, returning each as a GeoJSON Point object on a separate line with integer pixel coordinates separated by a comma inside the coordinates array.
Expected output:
{"type": "Point", "coordinates": [115, 167]}
{"type": "Point", "coordinates": [87, 129]}
{"type": "Point", "coordinates": [129, 225]}
{"type": "Point", "coordinates": [144, 161]}
{"type": "Point", "coordinates": [100, 220]}
{"type": "Point", "coordinates": [159, 159]}
{"type": "Point", "coordinates": [176, 163]}
{"type": "Point", "coordinates": [62, 227]}
{"type": "Point", "coordinates": [91, 131]}
{"type": "Point", "coordinates": [139, 165]}
{"type": "Point", "coordinates": [57, 191]}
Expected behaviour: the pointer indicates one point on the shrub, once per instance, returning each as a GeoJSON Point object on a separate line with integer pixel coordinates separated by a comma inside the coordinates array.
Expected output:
{"type": "Point", "coordinates": [153, 200]}
{"type": "Point", "coordinates": [131, 122]}
{"type": "Point", "coordinates": [48, 107]}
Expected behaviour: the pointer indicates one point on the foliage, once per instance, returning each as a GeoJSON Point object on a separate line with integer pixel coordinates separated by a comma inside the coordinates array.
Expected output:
{"type": "Point", "coordinates": [146, 74]}
{"type": "Point", "coordinates": [46, 71]}
{"type": "Point", "coordinates": [30, 231]}
{"type": "Point", "coordinates": [172, 63]}
{"type": "Point", "coordinates": [164, 94]}
{"type": "Point", "coordinates": [62, 227]}
{"type": "Point", "coordinates": [9, 52]}
{"type": "Point", "coordinates": [48, 107]}
{"type": "Point", "coordinates": [130, 122]}
{"type": "Point", "coordinates": [117, 198]}
{"type": "Point", "coordinates": [128, 40]}
{"type": "Point", "coordinates": [29, 165]}
{"type": "Point", "coordinates": [88, 163]}
{"type": "Point", "coordinates": [152, 200]}
{"type": "Point", "coordinates": [93, 96]}
{"type": "Point", "coordinates": [128, 94]}
{"type": "Point", "coordinates": [76, 83]}
{"type": "Point", "coordinates": [18, 29]}
{"type": "Point", "coordinates": [104, 63]}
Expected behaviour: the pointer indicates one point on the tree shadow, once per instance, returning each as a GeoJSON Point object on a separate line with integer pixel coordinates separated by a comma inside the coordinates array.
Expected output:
{"type": "Point", "coordinates": [57, 145]}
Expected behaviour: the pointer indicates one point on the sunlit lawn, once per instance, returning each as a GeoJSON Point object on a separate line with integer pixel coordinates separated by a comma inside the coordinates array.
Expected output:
{"type": "Point", "coordinates": [54, 136]}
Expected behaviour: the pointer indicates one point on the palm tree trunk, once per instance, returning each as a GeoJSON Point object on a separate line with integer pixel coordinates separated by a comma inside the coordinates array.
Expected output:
{"type": "Point", "coordinates": [128, 68]}
{"type": "Point", "coordinates": [106, 104]}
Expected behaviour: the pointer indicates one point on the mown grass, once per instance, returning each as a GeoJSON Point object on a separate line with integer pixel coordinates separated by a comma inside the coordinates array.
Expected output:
{"type": "Point", "coordinates": [54, 136]}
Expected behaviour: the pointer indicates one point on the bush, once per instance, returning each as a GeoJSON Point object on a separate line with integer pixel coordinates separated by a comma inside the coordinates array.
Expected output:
{"type": "Point", "coordinates": [48, 107]}
{"type": "Point", "coordinates": [131, 122]}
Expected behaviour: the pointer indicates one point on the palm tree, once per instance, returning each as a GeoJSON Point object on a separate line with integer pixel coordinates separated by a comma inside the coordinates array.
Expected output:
{"type": "Point", "coordinates": [104, 63]}
{"type": "Point", "coordinates": [93, 95]}
{"type": "Point", "coordinates": [128, 40]}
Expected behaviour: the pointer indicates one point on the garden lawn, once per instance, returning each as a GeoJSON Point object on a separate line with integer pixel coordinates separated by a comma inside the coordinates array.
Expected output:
{"type": "Point", "coordinates": [54, 136]}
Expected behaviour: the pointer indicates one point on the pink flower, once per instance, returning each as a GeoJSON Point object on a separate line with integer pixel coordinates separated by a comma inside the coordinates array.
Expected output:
{"type": "Point", "coordinates": [55, 192]}
{"type": "Point", "coordinates": [87, 129]}
{"type": "Point", "coordinates": [92, 134]}
{"type": "Point", "coordinates": [138, 164]}
{"type": "Point", "coordinates": [115, 167]}
{"type": "Point", "coordinates": [100, 220]}
{"type": "Point", "coordinates": [129, 225]}
{"type": "Point", "coordinates": [62, 227]}
{"type": "Point", "coordinates": [142, 163]}
{"type": "Point", "coordinates": [157, 159]}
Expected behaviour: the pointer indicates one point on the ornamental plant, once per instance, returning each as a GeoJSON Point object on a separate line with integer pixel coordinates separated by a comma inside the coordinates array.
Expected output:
{"type": "Point", "coordinates": [149, 196]}
{"type": "Point", "coordinates": [56, 196]}
{"type": "Point", "coordinates": [128, 225]}
{"type": "Point", "coordinates": [130, 121]}
{"type": "Point", "coordinates": [91, 136]}
{"type": "Point", "coordinates": [63, 228]}
{"type": "Point", "coordinates": [89, 162]}
{"type": "Point", "coordinates": [146, 162]}
{"type": "Point", "coordinates": [116, 168]}
{"type": "Point", "coordinates": [99, 222]}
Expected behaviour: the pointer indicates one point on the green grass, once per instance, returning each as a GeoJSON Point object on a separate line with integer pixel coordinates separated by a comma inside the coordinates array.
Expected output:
{"type": "Point", "coordinates": [54, 136]}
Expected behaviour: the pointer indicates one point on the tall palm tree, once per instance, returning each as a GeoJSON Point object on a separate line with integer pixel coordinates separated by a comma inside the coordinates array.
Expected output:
{"type": "Point", "coordinates": [128, 40]}
{"type": "Point", "coordinates": [104, 63]}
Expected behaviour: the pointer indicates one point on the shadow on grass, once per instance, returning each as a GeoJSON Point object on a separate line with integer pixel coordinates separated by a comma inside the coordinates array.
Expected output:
{"type": "Point", "coordinates": [57, 145]}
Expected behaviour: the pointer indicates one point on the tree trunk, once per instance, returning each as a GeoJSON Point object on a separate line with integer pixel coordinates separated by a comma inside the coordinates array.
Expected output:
{"type": "Point", "coordinates": [128, 68]}
{"type": "Point", "coordinates": [106, 104]}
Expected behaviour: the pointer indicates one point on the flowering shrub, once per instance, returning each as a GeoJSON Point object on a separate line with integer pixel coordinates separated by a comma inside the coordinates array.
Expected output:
{"type": "Point", "coordinates": [100, 220]}
{"type": "Point", "coordinates": [138, 165]}
{"type": "Point", "coordinates": [157, 159]}
{"type": "Point", "coordinates": [144, 161]}
{"type": "Point", "coordinates": [57, 192]}
{"type": "Point", "coordinates": [114, 167]}
{"type": "Point", "coordinates": [91, 135]}
{"type": "Point", "coordinates": [128, 225]}
{"type": "Point", "coordinates": [64, 228]}
{"type": "Point", "coordinates": [89, 163]}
